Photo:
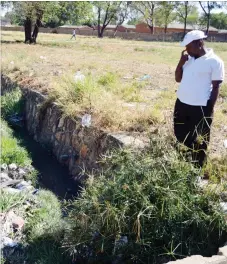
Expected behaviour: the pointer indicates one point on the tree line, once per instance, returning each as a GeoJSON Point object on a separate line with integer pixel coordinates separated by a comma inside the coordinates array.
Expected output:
{"type": "Point", "coordinates": [33, 15]}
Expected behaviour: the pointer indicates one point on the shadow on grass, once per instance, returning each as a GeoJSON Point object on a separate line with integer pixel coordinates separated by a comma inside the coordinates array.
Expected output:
{"type": "Point", "coordinates": [12, 41]}
{"type": "Point", "coordinates": [43, 250]}
{"type": "Point", "coordinates": [46, 250]}
{"type": "Point", "coordinates": [52, 175]}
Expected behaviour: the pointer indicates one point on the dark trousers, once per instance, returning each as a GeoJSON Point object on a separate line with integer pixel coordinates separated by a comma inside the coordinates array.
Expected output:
{"type": "Point", "coordinates": [192, 128]}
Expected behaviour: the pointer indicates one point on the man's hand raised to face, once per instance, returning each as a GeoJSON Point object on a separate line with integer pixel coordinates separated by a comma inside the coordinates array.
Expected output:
{"type": "Point", "coordinates": [184, 58]}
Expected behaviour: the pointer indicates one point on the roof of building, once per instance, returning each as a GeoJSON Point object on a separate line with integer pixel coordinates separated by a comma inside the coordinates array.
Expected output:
{"type": "Point", "coordinates": [189, 27]}
{"type": "Point", "coordinates": [73, 26]}
{"type": "Point", "coordinates": [129, 26]}
{"type": "Point", "coordinates": [123, 25]}
{"type": "Point", "coordinates": [222, 31]}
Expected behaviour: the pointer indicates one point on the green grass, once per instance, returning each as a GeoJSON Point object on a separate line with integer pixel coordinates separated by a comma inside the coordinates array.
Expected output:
{"type": "Point", "coordinates": [152, 198]}
{"type": "Point", "coordinates": [223, 90]}
{"type": "Point", "coordinates": [11, 103]}
{"type": "Point", "coordinates": [45, 217]}
{"type": "Point", "coordinates": [107, 61]}
{"type": "Point", "coordinates": [11, 151]}
{"type": "Point", "coordinates": [45, 231]}
{"type": "Point", "coordinates": [93, 96]}
{"type": "Point", "coordinates": [10, 201]}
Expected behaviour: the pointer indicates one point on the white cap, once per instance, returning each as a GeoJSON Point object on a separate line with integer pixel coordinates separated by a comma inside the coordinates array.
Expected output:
{"type": "Point", "coordinates": [193, 35]}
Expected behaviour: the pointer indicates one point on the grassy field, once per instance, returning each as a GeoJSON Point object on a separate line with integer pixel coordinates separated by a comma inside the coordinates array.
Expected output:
{"type": "Point", "coordinates": [113, 92]}
{"type": "Point", "coordinates": [152, 197]}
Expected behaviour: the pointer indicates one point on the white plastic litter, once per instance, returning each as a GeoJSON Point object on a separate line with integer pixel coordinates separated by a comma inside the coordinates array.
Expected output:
{"type": "Point", "coordinates": [12, 62]}
{"type": "Point", "coordinates": [23, 185]}
{"type": "Point", "coordinates": [12, 166]}
{"type": "Point", "coordinates": [79, 77]}
{"type": "Point", "coordinates": [121, 242]}
{"type": "Point", "coordinates": [21, 172]}
{"type": "Point", "coordinates": [86, 120]}
{"type": "Point", "coordinates": [8, 242]}
{"type": "Point", "coordinates": [42, 57]}
{"type": "Point", "coordinates": [145, 77]}
{"type": "Point", "coordinates": [224, 207]}
{"type": "Point", "coordinates": [225, 143]}
{"type": "Point", "coordinates": [4, 166]}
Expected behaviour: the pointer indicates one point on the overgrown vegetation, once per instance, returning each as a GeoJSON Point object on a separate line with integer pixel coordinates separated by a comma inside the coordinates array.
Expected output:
{"type": "Point", "coordinates": [11, 151]}
{"type": "Point", "coordinates": [9, 201]}
{"type": "Point", "coordinates": [45, 230]}
{"type": "Point", "coordinates": [44, 227]}
{"type": "Point", "coordinates": [145, 207]}
{"type": "Point", "coordinates": [11, 103]}
{"type": "Point", "coordinates": [152, 201]}
{"type": "Point", "coordinates": [94, 96]}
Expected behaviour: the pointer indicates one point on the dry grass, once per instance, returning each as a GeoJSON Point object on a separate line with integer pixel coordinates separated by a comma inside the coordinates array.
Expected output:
{"type": "Point", "coordinates": [118, 101]}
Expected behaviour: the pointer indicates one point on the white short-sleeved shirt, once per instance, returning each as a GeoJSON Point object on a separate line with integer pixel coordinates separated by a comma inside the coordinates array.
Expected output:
{"type": "Point", "coordinates": [196, 84]}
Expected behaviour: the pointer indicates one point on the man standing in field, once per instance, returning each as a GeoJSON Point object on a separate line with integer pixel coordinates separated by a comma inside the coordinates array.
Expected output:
{"type": "Point", "coordinates": [74, 34]}
{"type": "Point", "coordinates": [200, 73]}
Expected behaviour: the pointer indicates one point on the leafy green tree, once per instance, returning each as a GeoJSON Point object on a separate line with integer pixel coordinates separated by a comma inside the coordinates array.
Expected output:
{"type": "Point", "coordinates": [134, 21]}
{"type": "Point", "coordinates": [105, 13]}
{"type": "Point", "coordinates": [50, 13]}
{"type": "Point", "coordinates": [147, 10]}
{"type": "Point", "coordinates": [74, 12]}
{"type": "Point", "coordinates": [165, 14]}
{"type": "Point", "coordinates": [207, 8]}
{"type": "Point", "coordinates": [183, 10]}
{"type": "Point", "coordinates": [193, 17]}
{"type": "Point", "coordinates": [219, 20]}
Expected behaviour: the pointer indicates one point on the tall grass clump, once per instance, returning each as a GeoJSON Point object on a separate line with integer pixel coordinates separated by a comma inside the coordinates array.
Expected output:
{"type": "Point", "coordinates": [11, 103]}
{"type": "Point", "coordinates": [96, 96]}
{"type": "Point", "coordinates": [145, 208]}
{"type": "Point", "coordinates": [11, 151]}
{"type": "Point", "coordinates": [44, 230]}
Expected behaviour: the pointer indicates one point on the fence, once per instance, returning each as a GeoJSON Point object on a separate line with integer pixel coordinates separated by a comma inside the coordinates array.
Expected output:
{"type": "Point", "coordinates": [124, 35]}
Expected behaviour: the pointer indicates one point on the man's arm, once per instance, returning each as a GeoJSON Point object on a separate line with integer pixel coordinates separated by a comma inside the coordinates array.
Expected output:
{"type": "Point", "coordinates": [179, 69]}
{"type": "Point", "coordinates": [214, 93]}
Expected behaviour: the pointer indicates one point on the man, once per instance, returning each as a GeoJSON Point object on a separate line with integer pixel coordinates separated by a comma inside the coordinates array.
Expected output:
{"type": "Point", "coordinates": [200, 73]}
{"type": "Point", "coordinates": [74, 34]}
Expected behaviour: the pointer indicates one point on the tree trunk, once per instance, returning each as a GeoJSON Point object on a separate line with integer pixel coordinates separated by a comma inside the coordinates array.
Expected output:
{"type": "Point", "coordinates": [165, 29]}
{"type": "Point", "coordinates": [28, 30]}
{"type": "Point", "coordinates": [151, 28]}
{"type": "Point", "coordinates": [102, 31]}
{"type": "Point", "coordinates": [99, 29]}
{"type": "Point", "coordinates": [208, 24]}
{"type": "Point", "coordinates": [185, 18]}
{"type": "Point", "coordinates": [115, 32]}
{"type": "Point", "coordinates": [36, 30]}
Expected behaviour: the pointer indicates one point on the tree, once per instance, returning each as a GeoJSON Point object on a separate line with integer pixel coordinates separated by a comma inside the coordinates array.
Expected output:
{"type": "Point", "coordinates": [165, 15]}
{"type": "Point", "coordinates": [54, 13]}
{"type": "Point", "coordinates": [207, 8]}
{"type": "Point", "coordinates": [219, 20]}
{"type": "Point", "coordinates": [30, 14]}
{"type": "Point", "coordinates": [134, 21]}
{"type": "Point", "coordinates": [193, 17]}
{"type": "Point", "coordinates": [183, 12]}
{"type": "Point", "coordinates": [73, 12]}
{"type": "Point", "coordinates": [106, 12]}
{"type": "Point", "coordinates": [122, 15]}
{"type": "Point", "coordinates": [147, 10]}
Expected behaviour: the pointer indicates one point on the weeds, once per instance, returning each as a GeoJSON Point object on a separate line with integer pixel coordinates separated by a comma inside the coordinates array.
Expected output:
{"type": "Point", "coordinates": [10, 201]}
{"type": "Point", "coordinates": [11, 103]}
{"type": "Point", "coordinates": [93, 96]}
{"type": "Point", "coordinates": [11, 152]}
{"type": "Point", "coordinates": [152, 199]}
{"type": "Point", "coordinates": [223, 90]}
